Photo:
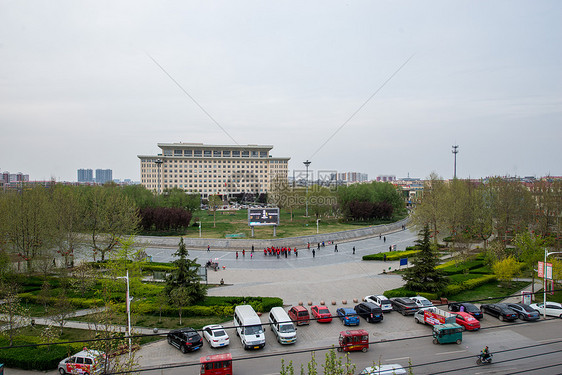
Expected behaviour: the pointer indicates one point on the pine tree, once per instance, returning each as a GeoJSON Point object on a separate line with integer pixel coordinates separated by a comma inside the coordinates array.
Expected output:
{"type": "Point", "coordinates": [423, 275]}
{"type": "Point", "coordinates": [185, 276]}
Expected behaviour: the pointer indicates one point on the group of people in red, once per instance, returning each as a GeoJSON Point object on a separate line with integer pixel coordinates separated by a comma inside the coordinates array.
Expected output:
{"type": "Point", "coordinates": [280, 251]}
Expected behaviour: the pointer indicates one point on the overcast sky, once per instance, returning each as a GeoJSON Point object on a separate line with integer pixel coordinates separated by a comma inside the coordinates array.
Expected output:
{"type": "Point", "coordinates": [78, 88]}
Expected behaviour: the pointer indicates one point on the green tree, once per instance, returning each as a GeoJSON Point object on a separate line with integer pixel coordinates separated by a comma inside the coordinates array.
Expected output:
{"type": "Point", "coordinates": [423, 276]}
{"type": "Point", "coordinates": [185, 276]}
{"type": "Point", "coordinates": [530, 250]}
{"type": "Point", "coordinates": [62, 310]}
{"type": "Point", "coordinates": [16, 316]}
{"type": "Point", "coordinates": [108, 215]}
{"type": "Point", "coordinates": [67, 210]}
{"type": "Point", "coordinates": [431, 205]}
{"type": "Point", "coordinates": [215, 202]}
{"type": "Point", "coordinates": [180, 297]}
{"type": "Point", "coordinates": [506, 269]}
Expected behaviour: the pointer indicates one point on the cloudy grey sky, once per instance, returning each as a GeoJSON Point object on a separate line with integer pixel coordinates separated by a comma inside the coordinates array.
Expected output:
{"type": "Point", "coordinates": [79, 90]}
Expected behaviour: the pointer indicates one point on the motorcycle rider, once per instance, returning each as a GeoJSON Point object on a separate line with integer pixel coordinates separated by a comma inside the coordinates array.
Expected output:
{"type": "Point", "coordinates": [485, 354]}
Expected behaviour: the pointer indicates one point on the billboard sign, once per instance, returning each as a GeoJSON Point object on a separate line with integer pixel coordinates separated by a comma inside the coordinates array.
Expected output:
{"type": "Point", "coordinates": [263, 216]}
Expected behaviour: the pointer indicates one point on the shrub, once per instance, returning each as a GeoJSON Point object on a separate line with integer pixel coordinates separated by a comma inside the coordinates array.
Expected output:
{"type": "Point", "coordinates": [40, 358]}
{"type": "Point", "coordinates": [453, 289]}
{"type": "Point", "coordinates": [391, 255]}
{"type": "Point", "coordinates": [403, 292]}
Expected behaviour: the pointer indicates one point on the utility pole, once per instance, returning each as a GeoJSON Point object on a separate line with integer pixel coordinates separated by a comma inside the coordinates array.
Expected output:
{"type": "Point", "coordinates": [306, 163]}
{"type": "Point", "coordinates": [455, 152]}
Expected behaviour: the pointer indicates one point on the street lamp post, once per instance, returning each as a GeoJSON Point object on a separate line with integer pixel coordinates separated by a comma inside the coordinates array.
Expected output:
{"type": "Point", "coordinates": [317, 221]}
{"type": "Point", "coordinates": [199, 229]}
{"type": "Point", "coordinates": [128, 311]}
{"type": "Point", "coordinates": [306, 163]}
{"type": "Point", "coordinates": [159, 165]}
{"type": "Point", "coordinates": [545, 274]}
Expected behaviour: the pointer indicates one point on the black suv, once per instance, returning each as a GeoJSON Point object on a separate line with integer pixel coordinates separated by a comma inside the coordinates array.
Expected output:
{"type": "Point", "coordinates": [185, 339]}
{"type": "Point", "coordinates": [404, 305]}
{"type": "Point", "coordinates": [369, 311]}
{"type": "Point", "coordinates": [467, 308]}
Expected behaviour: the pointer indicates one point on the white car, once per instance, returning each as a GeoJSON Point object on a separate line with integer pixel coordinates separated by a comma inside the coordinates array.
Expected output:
{"type": "Point", "coordinates": [380, 301]}
{"type": "Point", "coordinates": [552, 308]}
{"type": "Point", "coordinates": [422, 302]}
{"type": "Point", "coordinates": [384, 370]}
{"type": "Point", "coordinates": [216, 335]}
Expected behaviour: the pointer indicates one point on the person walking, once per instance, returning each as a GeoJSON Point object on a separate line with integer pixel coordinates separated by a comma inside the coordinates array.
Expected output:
{"type": "Point", "coordinates": [384, 238]}
{"type": "Point", "coordinates": [251, 255]}
{"type": "Point", "coordinates": [336, 248]}
{"type": "Point", "coordinates": [243, 253]}
{"type": "Point", "coordinates": [384, 257]}
{"type": "Point", "coordinates": [296, 252]}
{"type": "Point", "coordinates": [208, 248]}
{"type": "Point", "coordinates": [237, 254]}
{"type": "Point", "coordinates": [313, 253]}
{"type": "Point", "coordinates": [353, 249]}
{"type": "Point", "coordinates": [318, 245]}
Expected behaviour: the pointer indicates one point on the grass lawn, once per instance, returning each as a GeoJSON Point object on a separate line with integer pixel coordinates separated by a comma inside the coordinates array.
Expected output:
{"type": "Point", "coordinates": [300, 225]}
{"type": "Point", "coordinates": [166, 322]}
{"type": "Point", "coordinates": [489, 293]}
{"type": "Point", "coordinates": [557, 297]}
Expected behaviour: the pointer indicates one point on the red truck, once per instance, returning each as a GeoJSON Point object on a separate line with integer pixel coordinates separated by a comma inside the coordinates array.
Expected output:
{"type": "Point", "coordinates": [434, 316]}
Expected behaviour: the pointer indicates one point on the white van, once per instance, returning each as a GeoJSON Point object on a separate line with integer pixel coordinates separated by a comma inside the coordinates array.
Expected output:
{"type": "Point", "coordinates": [248, 327]}
{"type": "Point", "coordinates": [282, 326]}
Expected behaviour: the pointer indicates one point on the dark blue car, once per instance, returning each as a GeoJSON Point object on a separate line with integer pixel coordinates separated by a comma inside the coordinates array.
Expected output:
{"type": "Point", "coordinates": [348, 316]}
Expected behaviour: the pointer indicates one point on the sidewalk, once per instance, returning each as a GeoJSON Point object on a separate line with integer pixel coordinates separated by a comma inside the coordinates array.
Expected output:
{"type": "Point", "coordinates": [529, 288]}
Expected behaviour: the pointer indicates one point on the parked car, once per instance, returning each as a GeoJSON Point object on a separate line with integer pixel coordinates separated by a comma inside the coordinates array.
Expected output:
{"type": "Point", "coordinates": [321, 314]}
{"type": "Point", "coordinates": [500, 311]}
{"type": "Point", "coordinates": [394, 369]}
{"type": "Point", "coordinates": [185, 339]}
{"type": "Point", "coordinates": [216, 335]}
{"type": "Point", "coordinates": [369, 311]}
{"type": "Point", "coordinates": [348, 316]}
{"type": "Point", "coordinates": [524, 311]}
{"type": "Point", "coordinates": [86, 361]}
{"type": "Point", "coordinates": [466, 307]}
{"type": "Point", "coordinates": [299, 315]}
{"type": "Point", "coordinates": [421, 302]}
{"type": "Point", "coordinates": [404, 305]}
{"type": "Point", "coordinates": [381, 301]}
{"type": "Point", "coordinates": [467, 321]}
{"type": "Point", "coordinates": [552, 308]}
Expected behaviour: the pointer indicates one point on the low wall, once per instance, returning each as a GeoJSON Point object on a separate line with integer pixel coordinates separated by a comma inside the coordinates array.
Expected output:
{"type": "Point", "coordinates": [260, 244]}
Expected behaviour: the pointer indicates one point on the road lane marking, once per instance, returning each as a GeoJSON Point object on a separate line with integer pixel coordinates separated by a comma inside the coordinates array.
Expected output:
{"type": "Point", "coordinates": [456, 351]}
{"type": "Point", "coordinates": [396, 359]}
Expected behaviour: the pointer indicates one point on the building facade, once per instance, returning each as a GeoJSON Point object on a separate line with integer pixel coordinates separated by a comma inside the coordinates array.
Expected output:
{"type": "Point", "coordinates": [85, 175]}
{"type": "Point", "coordinates": [212, 169]}
{"type": "Point", "coordinates": [104, 175]}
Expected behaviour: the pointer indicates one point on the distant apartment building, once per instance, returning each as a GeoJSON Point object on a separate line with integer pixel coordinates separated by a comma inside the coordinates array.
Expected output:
{"type": "Point", "coordinates": [212, 169]}
{"type": "Point", "coordinates": [386, 178]}
{"type": "Point", "coordinates": [85, 175]}
{"type": "Point", "coordinates": [351, 177]}
{"type": "Point", "coordinates": [104, 175]}
{"type": "Point", "coordinates": [8, 177]}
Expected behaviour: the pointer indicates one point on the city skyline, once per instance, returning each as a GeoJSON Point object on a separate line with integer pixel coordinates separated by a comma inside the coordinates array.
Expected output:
{"type": "Point", "coordinates": [377, 87]}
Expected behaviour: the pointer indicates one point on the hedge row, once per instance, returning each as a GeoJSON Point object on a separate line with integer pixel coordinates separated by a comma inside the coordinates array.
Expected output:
{"type": "Point", "coordinates": [451, 269]}
{"type": "Point", "coordinates": [403, 292]}
{"type": "Point", "coordinates": [82, 303]}
{"type": "Point", "coordinates": [391, 255]}
{"type": "Point", "coordinates": [453, 289]}
{"type": "Point", "coordinates": [40, 358]}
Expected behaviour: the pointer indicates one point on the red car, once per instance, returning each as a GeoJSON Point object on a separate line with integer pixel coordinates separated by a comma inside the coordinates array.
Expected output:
{"type": "Point", "coordinates": [321, 314]}
{"type": "Point", "coordinates": [466, 320]}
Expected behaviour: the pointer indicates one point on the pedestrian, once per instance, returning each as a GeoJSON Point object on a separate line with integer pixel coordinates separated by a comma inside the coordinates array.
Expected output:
{"type": "Point", "coordinates": [353, 249]}
{"type": "Point", "coordinates": [243, 252]}
{"type": "Point", "coordinates": [208, 248]}
{"type": "Point", "coordinates": [380, 236]}
{"type": "Point", "coordinates": [296, 252]}
{"type": "Point", "coordinates": [285, 253]}
{"type": "Point", "coordinates": [384, 257]}
{"type": "Point", "coordinates": [252, 248]}
{"type": "Point", "coordinates": [251, 255]}
{"type": "Point", "coordinates": [323, 244]}
{"type": "Point", "coordinates": [308, 244]}
{"type": "Point", "coordinates": [384, 238]}
{"type": "Point", "coordinates": [390, 248]}
{"type": "Point", "coordinates": [237, 254]}
{"type": "Point", "coordinates": [222, 281]}
{"type": "Point", "coordinates": [313, 253]}
{"type": "Point", "coordinates": [318, 245]}
{"type": "Point", "coordinates": [336, 248]}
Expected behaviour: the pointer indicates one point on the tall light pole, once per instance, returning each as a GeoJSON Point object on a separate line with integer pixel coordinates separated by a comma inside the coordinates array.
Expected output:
{"type": "Point", "coordinates": [306, 163]}
{"type": "Point", "coordinates": [455, 152]}
{"type": "Point", "coordinates": [545, 273]}
{"type": "Point", "coordinates": [128, 311]}
{"type": "Point", "coordinates": [159, 165]}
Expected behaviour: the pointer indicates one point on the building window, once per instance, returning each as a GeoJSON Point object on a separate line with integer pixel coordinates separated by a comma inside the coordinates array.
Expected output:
{"type": "Point", "coordinates": [226, 154]}
{"type": "Point", "coordinates": [197, 153]}
{"type": "Point", "coordinates": [187, 152]}
{"type": "Point", "coordinates": [236, 154]}
{"type": "Point", "coordinates": [177, 153]}
{"type": "Point", "coordinates": [207, 153]}
{"type": "Point", "coordinates": [245, 154]}
{"type": "Point", "coordinates": [216, 154]}
{"type": "Point", "coordinates": [254, 154]}
{"type": "Point", "coordinates": [263, 154]}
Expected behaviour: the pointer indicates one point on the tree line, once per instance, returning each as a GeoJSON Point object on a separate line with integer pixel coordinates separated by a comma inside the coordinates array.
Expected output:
{"type": "Point", "coordinates": [40, 226]}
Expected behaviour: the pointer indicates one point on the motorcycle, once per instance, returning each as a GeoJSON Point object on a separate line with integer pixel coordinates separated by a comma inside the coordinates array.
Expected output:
{"type": "Point", "coordinates": [482, 361]}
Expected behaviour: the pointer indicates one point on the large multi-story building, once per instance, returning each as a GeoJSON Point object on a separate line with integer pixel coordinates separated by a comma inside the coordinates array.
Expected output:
{"type": "Point", "coordinates": [104, 175]}
{"type": "Point", "coordinates": [212, 169]}
{"type": "Point", "coordinates": [85, 175]}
